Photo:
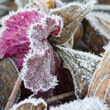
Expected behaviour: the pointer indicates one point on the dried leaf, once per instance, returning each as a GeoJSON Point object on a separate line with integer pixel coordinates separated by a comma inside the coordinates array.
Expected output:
{"type": "Point", "coordinates": [8, 76]}
{"type": "Point", "coordinates": [91, 41]}
{"type": "Point", "coordinates": [82, 65]}
{"type": "Point", "coordinates": [30, 104]}
{"type": "Point", "coordinates": [77, 36]}
{"type": "Point", "coordinates": [72, 15]}
{"type": "Point", "coordinates": [107, 2]}
{"type": "Point", "coordinates": [100, 22]}
{"type": "Point", "coordinates": [100, 84]}
{"type": "Point", "coordinates": [85, 104]}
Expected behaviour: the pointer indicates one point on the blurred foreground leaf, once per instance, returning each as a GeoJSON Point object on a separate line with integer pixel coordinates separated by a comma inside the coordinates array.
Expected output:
{"type": "Point", "coordinates": [8, 76]}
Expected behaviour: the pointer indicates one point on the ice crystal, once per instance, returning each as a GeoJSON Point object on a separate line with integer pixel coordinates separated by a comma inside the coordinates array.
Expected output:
{"type": "Point", "coordinates": [85, 104]}
{"type": "Point", "coordinates": [40, 63]}
{"type": "Point", "coordinates": [13, 38]}
{"type": "Point", "coordinates": [31, 103]}
{"type": "Point", "coordinates": [81, 64]}
{"type": "Point", "coordinates": [100, 21]}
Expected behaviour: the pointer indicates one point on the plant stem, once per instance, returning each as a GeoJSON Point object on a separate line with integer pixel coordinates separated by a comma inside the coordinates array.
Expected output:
{"type": "Point", "coordinates": [14, 93]}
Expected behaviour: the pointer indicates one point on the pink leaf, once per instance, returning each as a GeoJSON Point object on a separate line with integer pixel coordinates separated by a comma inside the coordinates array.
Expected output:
{"type": "Point", "coordinates": [13, 39]}
{"type": "Point", "coordinates": [40, 64]}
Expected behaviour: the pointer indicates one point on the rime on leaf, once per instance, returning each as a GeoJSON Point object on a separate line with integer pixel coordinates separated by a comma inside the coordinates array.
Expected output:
{"type": "Point", "coordinates": [100, 84]}
{"type": "Point", "coordinates": [21, 3]}
{"type": "Point", "coordinates": [82, 65]}
{"type": "Point", "coordinates": [30, 104]}
{"type": "Point", "coordinates": [102, 8]}
{"type": "Point", "coordinates": [72, 15]}
{"type": "Point", "coordinates": [86, 104]}
{"type": "Point", "coordinates": [13, 38]}
{"type": "Point", "coordinates": [40, 63]}
{"type": "Point", "coordinates": [77, 36]}
{"type": "Point", "coordinates": [91, 40]}
{"type": "Point", "coordinates": [100, 22]}
{"type": "Point", "coordinates": [8, 76]}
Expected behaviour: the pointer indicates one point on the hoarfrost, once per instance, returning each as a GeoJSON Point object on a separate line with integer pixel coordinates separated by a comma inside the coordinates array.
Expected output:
{"type": "Point", "coordinates": [81, 64]}
{"type": "Point", "coordinates": [85, 104]}
{"type": "Point", "coordinates": [72, 14]}
{"type": "Point", "coordinates": [102, 8]}
{"type": "Point", "coordinates": [39, 66]}
{"type": "Point", "coordinates": [13, 33]}
{"type": "Point", "coordinates": [100, 22]}
{"type": "Point", "coordinates": [32, 101]}
{"type": "Point", "coordinates": [100, 83]}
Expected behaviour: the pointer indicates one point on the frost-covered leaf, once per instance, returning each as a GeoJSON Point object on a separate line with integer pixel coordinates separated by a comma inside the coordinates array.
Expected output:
{"type": "Point", "coordinates": [8, 76]}
{"type": "Point", "coordinates": [41, 62]}
{"type": "Point", "coordinates": [21, 3]}
{"type": "Point", "coordinates": [30, 104]}
{"type": "Point", "coordinates": [77, 36]}
{"type": "Point", "coordinates": [100, 84]}
{"type": "Point", "coordinates": [100, 21]}
{"type": "Point", "coordinates": [13, 36]}
{"type": "Point", "coordinates": [85, 104]}
{"type": "Point", "coordinates": [82, 65]}
{"type": "Point", "coordinates": [91, 40]}
{"type": "Point", "coordinates": [72, 15]}
{"type": "Point", "coordinates": [102, 8]}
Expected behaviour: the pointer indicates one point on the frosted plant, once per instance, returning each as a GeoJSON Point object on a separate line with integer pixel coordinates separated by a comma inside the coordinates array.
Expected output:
{"type": "Point", "coordinates": [81, 64]}
{"type": "Point", "coordinates": [100, 83]}
{"type": "Point", "coordinates": [100, 22]}
{"type": "Point", "coordinates": [72, 14]}
{"type": "Point", "coordinates": [85, 104]}
{"type": "Point", "coordinates": [102, 8]}
{"type": "Point", "coordinates": [39, 65]}
{"type": "Point", "coordinates": [13, 37]}
{"type": "Point", "coordinates": [21, 3]}
{"type": "Point", "coordinates": [30, 104]}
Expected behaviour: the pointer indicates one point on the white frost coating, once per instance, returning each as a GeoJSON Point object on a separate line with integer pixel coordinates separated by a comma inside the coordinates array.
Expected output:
{"type": "Point", "coordinates": [102, 7]}
{"type": "Point", "coordinates": [94, 18]}
{"type": "Point", "coordinates": [59, 21]}
{"type": "Point", "coordinates": [85, 104]}
{"type": "Point", "coordinates": [33, 101]}
{"type": "Point", "coordinates": [90, 6]}
{"type": "Point", "coordinates": [59, 3]}
{"type": "Point", "coordinates": [100, 83]}
{"type": "Point", "coordinates": [37, 69]}
{"type": "Point", "coordinates": [21, 3]}
{"type": "Point", "coordinates": [81, 64]}
{"type": "Point", "coordinates": [3, 19]}
{"type": "Point", "coordinates": [102, 76]}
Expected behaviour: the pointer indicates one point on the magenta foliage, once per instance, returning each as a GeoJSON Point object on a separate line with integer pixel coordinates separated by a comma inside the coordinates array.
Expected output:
{"type": "Point", "coordinates": [40, 64]}
{"type": "Point", "coordinates": [13, 39]}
